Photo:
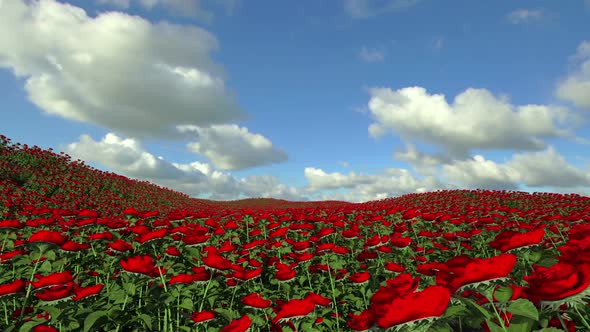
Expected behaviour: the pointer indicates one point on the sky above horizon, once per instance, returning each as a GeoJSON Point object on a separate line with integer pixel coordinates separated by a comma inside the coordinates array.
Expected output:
{"type": "Point", "coordinates": [351, 100]}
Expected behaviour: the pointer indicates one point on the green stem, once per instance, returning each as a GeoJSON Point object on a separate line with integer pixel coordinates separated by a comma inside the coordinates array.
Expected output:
{"type": "Point", "coordinates": [22, 312]}
{"type": "Point", "coordinates": [93, 251]}
{"type": "Point", "coordinates": [334, 298]}
{"type": "Point", "coordinates": [308, 277]}
{"type": "Point", "coordinates": [582, 317]}
{"type": "Point", "coordinates": [364, 297]}
{"type": "Point", "coordinates": [178, 312]}
{"type": "Point", "coordinates": [232, 298]}
{"type": "Point", "coordinates": [500, 320]}
{"type": "Point", "coordinates": [125, 301]}
{"type": "Point", "coordinates": [205, 295]}
{"type": "Point", "coordinates": [5, 313]}
{"type": "Point", "coordinates": [562, 322]}
{"type": "Point", "coordinates": [3, 243]}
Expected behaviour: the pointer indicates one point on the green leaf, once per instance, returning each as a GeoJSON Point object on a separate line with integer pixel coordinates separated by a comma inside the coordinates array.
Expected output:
{"type": "Point", "coordinates": [534, 256]}
{"type": "Point", "coordinates": [549, 329]}
{"type": "Point", "coordinates": [525, 308]}
{"type": "Point", "coordinates": [53, 311]}
{"type": "Point", "coordinates": [28, 326]}
{"type": "Point", "coordinates": [118, 297]}
{"type": "Point", "coordinates": [486, 314]}
{"type": "Point", "coordinates": [73, 325]}
{"type": "Point", "coordinates": [147, 319]}
{"type": "Point", "coordinates": [548, 261]}
{"type": "Point", "coordinates": [187, 304]}
{"type": "Point", "coordinates": [130, 288]}
{"type": "Point", "coordinates": [520, 324]}
{"type": "Point", "coordinates": [503, 294]}
{"type": "Point", "coordinates": [50, 255]}
{"type": "Point", "coordinates": [225, 313]}
{"type": "Point", "coordinates": [45, 267]}
{"type": "Point", "coordinates": [92, 318]}
{"type": "Point", "coordinates": [211, 300]}
{"type": "Point", "coordinates": [114, 312]}
{"type": "Point", "coordinates": [493, 327]}
{"type": "Point", "coordinates": [441, 328]}
{"type": "Point", "coordinates": [454, 310]}
{"type": "Point", "coordinates": [308, 326]}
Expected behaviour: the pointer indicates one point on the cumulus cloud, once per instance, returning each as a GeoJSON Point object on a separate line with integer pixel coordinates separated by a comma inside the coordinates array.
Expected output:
{"type": "Point", "coordinates": [115, 71]}
{"type": "Point", "coordinates": [129, 158]}
{"type": "Point", "coordinates": [371, 55]}
{"type": "Point", "coordinates": [318, 179]}
{"type": "Point", "coordinates": [576, 86]}
{"type": "Point", "coordinates": [365, 187]}
{"type": "Point", "coordinates": [230, 147]}
{"type": "Point", "coordinates": [520, 16]}
{"type": "Point", "coordinates": [533, 169]}
{"type": "Point", "coordinates": [362, 9]}
{"type": "Point", "coordinates": [423, 163]}
{"type": "Point", "coordinates": [475, 120]}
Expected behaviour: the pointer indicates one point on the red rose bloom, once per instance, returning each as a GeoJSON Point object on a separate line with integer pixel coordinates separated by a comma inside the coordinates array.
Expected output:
{"type": "Point", "coordinates": [557, 282]}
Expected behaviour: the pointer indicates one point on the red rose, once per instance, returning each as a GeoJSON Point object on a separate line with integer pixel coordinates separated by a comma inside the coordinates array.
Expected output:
{"type": "Point", "coordinates": [48, 236]}
{"type": "Point", "coordinates": [362, 321]}
{"type": "Point", "coordinates": [238, 325]}
{"type": "Point", "coordinates": [12, 287]}
{"type": "Point", "coordinates": [431, 302]}
{"type": "Point", "coordinates": [256, 301]}
{"type": "Point", "coordinates": [463, 270]}
{"type": "Point", "coordinates": [557, 282]}
{"type": "Point", "coordinates": [83, 292]}
{"type": "Point", "coordinates": [510, 239]}
{"type": "Point", "coordinates": [202, 316]}
{"type": "Point", "coordinates": [141, 264]}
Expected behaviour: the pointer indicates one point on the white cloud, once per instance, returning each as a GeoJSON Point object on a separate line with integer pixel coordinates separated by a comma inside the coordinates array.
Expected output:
{"type": "Point", "coordinates": [475, 120]}
{"type": "Point", "coordinates": [88, 70]}
{"type": "Point", "coordinates": [318, 179]}
{"type": "Point", "coordinates": [524, 16]}
{"type": "Point", "coordinates": [481, 173]}
{"type": "Point", "coordinates": [371, 55]}
{"type": "Point", "coordinates": [230, 147]}
{"type": "Point", "coordinates": [365, 187]}
{"type": "Point", "coordinates": [423, 163]}
{"type": "Point", "coordinates": [576, 86]}
{"type": "Point", "coordinates": [362, 9]}
{"type": "Point", "coordinates": [533, 169]}
{"type": "Point", "coordinates": [548, 168]}
{"type": "Point", "coordinates": [127, 157]}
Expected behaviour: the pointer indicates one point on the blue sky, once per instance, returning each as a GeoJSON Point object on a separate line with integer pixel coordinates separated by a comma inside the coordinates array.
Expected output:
{"type": "Point", "coordinates": [305, 100]}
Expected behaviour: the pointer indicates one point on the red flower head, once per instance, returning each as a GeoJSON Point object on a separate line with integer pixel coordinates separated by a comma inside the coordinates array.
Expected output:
{"type": "Point", "coordinates": [48, 236]}
{"type": "Point", "coordinates": [200, 317]}
{"type": "Point", "coordinates": [557, 282]}
{"type": "Point", "coordinates": [238, 325]}
{"type": "Point", "coordinates": [508, 240]}
{"type": "Point", "coordinates": [12, 287]}
{"type": "Point", "coordinates": [53, 279]}
{"type": "Point", "coordinates": [409, 307]}
{"type": "Point", "coordinates": [141, 264]}
{"type": "Point", "coordinates": [83, 292]}
{"type": "Point", "coordinates": [463, 270]}
{"type": "Point", "coordinates": [256, 301]}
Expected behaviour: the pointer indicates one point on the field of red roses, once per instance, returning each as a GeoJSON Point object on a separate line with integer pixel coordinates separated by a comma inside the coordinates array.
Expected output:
{"type": "Point", "coordinates": [86, 250]}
